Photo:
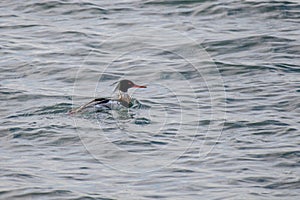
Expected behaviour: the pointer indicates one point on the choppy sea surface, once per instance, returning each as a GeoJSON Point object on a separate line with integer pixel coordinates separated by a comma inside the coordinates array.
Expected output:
{"type": "Point", "coordinates": [219, 119]}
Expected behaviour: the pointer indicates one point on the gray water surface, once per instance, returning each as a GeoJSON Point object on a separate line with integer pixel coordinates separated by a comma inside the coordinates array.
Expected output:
{"type": "Point", "coordinates": [219, 118]}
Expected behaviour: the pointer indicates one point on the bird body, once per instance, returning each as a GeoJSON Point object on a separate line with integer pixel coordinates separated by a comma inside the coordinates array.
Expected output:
{"type": "Point", "coordinates": [123, 100]}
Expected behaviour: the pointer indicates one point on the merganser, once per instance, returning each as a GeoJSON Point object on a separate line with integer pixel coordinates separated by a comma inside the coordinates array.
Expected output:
{"type": "Point", "coordinates": [123, 99]}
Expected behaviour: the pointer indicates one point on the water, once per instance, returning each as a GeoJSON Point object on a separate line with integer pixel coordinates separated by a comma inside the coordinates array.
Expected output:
{"type": "Point", "coordinates": [220, 115]}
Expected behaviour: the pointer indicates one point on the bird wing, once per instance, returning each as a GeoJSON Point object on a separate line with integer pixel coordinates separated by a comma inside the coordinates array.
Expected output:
{"type": "Point", "coordinates": [95, 101]}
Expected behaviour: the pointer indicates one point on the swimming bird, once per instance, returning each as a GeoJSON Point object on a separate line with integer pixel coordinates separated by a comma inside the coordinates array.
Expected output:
{"type": "Point", "coordinates": [123, 99]}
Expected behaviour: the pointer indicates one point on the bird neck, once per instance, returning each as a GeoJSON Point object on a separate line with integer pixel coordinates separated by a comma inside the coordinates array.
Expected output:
{"type": "Point", "coordinates": [124, 97]}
